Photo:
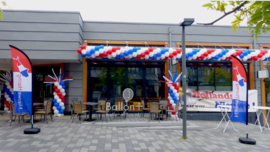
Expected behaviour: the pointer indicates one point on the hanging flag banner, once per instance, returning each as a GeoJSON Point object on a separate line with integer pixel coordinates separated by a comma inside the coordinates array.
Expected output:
{"type": "Point", "coordinates": [22, 81]}
{"type": "Point", "coordinates": [208, 101]}
{"type": "Point", "coordinates": [239, 87]}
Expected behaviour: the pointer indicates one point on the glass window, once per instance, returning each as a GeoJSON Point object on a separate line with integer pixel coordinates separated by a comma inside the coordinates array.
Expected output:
{"type": "Point", "coordinates": [98, 83]}
{"type": "Point", "coordinates": [206, 75]}
{"type": "Point", "coordinates": [135, 82]}
{"type": "Point", "coordinates": [223, 77]}
{"type": "Point", "coordinates": [154, 89]}
{"type": "Point", "coordinates": [192, 73]}
{"type": "Point", "coordinates": [117, 81]}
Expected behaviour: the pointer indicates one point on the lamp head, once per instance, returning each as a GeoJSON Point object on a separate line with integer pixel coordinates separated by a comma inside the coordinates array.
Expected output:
{"type": "Point", "coordinates": [187, 22]}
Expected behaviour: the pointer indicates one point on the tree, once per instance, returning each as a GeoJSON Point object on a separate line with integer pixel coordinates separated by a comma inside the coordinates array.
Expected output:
{"type": "Point", "coordinates": [1, 11]}
{"type": "Point", "coordinates": [218, 77]}
{"type": "Point", "coordinates": [257, 14]}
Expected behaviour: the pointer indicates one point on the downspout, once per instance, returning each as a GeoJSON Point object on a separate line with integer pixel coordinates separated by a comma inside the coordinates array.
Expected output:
{"type": "Point", "coordinates": [255, 63]}
{"type": "Point", "coordinates": [170, 37]}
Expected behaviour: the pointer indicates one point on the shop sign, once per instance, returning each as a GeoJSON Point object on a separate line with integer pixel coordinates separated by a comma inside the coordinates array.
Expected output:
{"type": "Point", "coordinates": [208, 101]}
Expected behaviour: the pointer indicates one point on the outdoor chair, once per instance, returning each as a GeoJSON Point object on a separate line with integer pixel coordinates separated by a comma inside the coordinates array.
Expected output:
{"type": "Point", "coordinates": [101, 106]}
{"type": "Point", "coordinates": [118, 105]}
{"type": "Point", "coordinates": [143, 107]}
{"type": "Point", "coordinates": [78, 110]}
{"type": "Point", "coordinates": [175, 110]}
{"type": "Point", "coordinates": [20, 116]}
{"type": "Point", "coordinates": [44, 104]}
{"type": "Point", "coordinates": [47, 110]}
{"type": "Point", "coordinates": [163, 107]}
{"type": "Point", "coordinates": [154, 108]}
{"type": "Point", "coordinates": [105, 110]}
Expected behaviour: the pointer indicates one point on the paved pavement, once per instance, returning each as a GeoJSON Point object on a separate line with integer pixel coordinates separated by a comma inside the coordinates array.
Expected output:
{"type": "Point", "coordinates": [62, 135]}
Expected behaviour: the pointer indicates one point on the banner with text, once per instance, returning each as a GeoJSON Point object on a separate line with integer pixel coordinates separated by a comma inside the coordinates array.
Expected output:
{"type": "Point", "coordinates": [208, 101]}
{"type": "Point", "coordinates": [22, 81]}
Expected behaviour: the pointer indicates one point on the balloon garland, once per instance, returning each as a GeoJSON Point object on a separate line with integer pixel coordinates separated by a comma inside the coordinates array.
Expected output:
{"type": "Point", "coordinates": [9, 94]}
{"type": "Point", "coordinates": [108, 52]}
{"type": "Point", "coordinates": [59, 91]}
{"type": "Point", "coordinates": [172, 84]}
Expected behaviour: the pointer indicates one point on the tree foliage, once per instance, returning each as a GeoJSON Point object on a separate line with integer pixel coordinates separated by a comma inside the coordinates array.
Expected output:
{"type": "Point", "coordinates": [257, 14]}
{"type": "Point", "coordinates": [1, 11]}
{"type": "Point", "coordinates": [218, 77]}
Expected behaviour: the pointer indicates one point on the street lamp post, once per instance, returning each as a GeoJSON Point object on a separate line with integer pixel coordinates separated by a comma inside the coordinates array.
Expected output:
{"type": "Point", "coordinates": [186, 22]}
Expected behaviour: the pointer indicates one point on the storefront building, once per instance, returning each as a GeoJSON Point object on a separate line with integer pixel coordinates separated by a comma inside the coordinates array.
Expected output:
{"type": "Point", "coordinates": [51, 39]}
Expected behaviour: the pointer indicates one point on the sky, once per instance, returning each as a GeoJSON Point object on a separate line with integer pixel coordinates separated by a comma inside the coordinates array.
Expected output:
{"type": "Point", "coordinates": [143, 11]}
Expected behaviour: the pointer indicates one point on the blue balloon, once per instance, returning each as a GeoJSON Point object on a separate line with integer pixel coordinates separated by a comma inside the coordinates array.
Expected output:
{"type": "Point", "coordinates": [83, 55]}
{"type": "Point", "coordinates": [62, 83]}
{"type": "Point", "coordinates": [175, 98]}
{"type": "Point", "coordinates": [220, 55]}
{"type": "Point", "coordinates": [122, 55]}
{"type": "Point", "coordinates": [56, 104]}
{"type": "Point", "coordinates": [126, 53]}
{"type": "Point", "coordinates": [162, 52]}
{"type": "Point", "coordinates": [96, 48]}
{"type": "Point", "coordinates": [154, 56]}
{"type": "Point", "coordinates": [172, 95]}
{"type": "Point", "coordinates": [241, 56]}
{"type": "Point", "coordinates": [158, 54]}
{"type": "Point", "coordinates": [170, 91]}
{"type": "Point", "coordinates": [130, 51]}
{"type": "Point", "coordinates": [59, 108]}
{"type": "Point", "coordinates": [54, 100]}
{"type": "Point", "coordinates": [102, 47]}
{"type": "Point", "coordinates": [92, 51]}
{"type": "Point", "coordinates": [216, 57]}
{"type": "Point", "coordinates": [88, 54]}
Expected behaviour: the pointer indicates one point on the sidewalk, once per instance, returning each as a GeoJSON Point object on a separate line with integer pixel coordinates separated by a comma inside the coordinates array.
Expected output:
{"type": "Point", "coordinates": [62, 135]}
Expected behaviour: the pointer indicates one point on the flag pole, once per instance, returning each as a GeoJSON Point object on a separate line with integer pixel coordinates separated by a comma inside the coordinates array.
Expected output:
{"type": "Point", "coordinates": [31, 130]}
{"type": "Point", "coordinates": [245, 140]}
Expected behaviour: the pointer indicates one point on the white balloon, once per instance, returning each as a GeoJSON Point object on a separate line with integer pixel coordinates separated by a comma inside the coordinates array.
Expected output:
{"type": "Point", "coordinates": [56, 84]}
{"type": "Point", "coordinates": [9, 87]}
{"type": "Point", "coordinates": [64, 94]}
{"type": "Point", "coordinates": [109, 56]}
{"type": "Point", "coordinates": [171, 87]}
{"type": "Point", "coordinates": [263, 58]}
{"type": "Point", "coordinates": [174, 91]}
{"type": "Point", "coordinates": [155, 51]}
{"type": "Point", "coordinates": [63, 107]}
{"type": "Point", "coordinates": [101, 51]}
{"type": "Point", "coordinates": [162, 56]}
{"type": "Point", "coordinates": [54, 93]}
{"type": "Point", "coordinates": [248, 56]}
{"type": "Point", "coordinates": [146, 57]}
{"type": "Point", "coordinates": [134, 54]}
{"type": "Point", "coordinates": [62, 90]}
{"type": "Point", "coordinates": [61, 104]}
{"type": "Point", "coordinates": [83, 51]}
{"type": "Point", "coordinates": [171, 101]}
{"type": "Point", "coordinates": [58, 100]}
{"type": "Point", "coordinates": [151, 54]}
{"type": "Point", "coordinates": [167, 54]}
{"type": "Point", "coordinates": [93, 56]}
{"type": "Point", "coordinates": [59, 87]}
{"type": "Point", "coordinates": [178, 56]}
{"type": "Point", "coordinates": [54, 107]}
{"type": "Point", "coordinates": [170, 98]}
{"type": "Point", "coordinates": [245, 58]}
{"type": "Point", "coordinates": [59, 115]}
{"type": "Point", "coordinates": [56, 97]}
{"type": "Point", "coordinates": [113, 55]}
{"type": "Point", "coordinates": [118, 52]}
{"type": "Point", "coordinates": [170, 50]}
{"type": "Point", "coordinates": [97, 53]}
{"type": "Point", "coordinates": [8, 99]}
{"type": "Point", "coordinates": [6, 96]}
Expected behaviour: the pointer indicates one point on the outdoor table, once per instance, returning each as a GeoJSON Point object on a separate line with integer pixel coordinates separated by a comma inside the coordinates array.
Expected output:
{"type": "Point", "coordinates": [35, 104]}
{"type": "Point", "coordinates": [224, 111]}
{"type": "Point", "coordinates": [90, 104]}
{"type": "Point", "coordinates": [161, 104]}
{"type": "Point", "coordinates": [258, 113]}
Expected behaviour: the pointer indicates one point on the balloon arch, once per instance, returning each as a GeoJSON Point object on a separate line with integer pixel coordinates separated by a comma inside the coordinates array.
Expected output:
{"type": "Point", "coordinates": [146, 53]}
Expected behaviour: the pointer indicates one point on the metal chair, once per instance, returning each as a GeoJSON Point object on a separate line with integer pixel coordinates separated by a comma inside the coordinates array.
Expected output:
{"type": "Point", "coordinates": [16, 114]}
{"type": "Point", "coordinates": [154, 108]}
{"type": "Point", "coordinates": [143, 108]}
{"type": "Point", "coordinates": [46, 110]}
{"type": "Point", "coordinates": [78, 109]}
{"type": "Point", "coordinates": [105, 111]}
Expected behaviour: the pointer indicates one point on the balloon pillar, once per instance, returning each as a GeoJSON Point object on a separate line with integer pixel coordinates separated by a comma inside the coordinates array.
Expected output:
{"type": "Point", "coordinates": [172, 84]}
{"type": "Point", "coordinates": [59, 91]}
{"type": "Point", "coordinates": [9, 97]}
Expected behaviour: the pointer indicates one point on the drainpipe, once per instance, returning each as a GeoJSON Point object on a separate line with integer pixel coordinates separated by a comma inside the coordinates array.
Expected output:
{"type": "Point", "coordinates": [170, 37]}
{"type": "Point", "coordinates": [255, 63]}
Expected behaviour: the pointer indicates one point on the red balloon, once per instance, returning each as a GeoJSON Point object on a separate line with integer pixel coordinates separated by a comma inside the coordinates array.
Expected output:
{"type": "Point", "coordinates": [260, 55]}
{"type": "Point", "coordinates": [79, 50]}
{"type": "Point", "coordinates": [54, 87]}
{"type": "Point", "coordinates": [138, 57]}
{"type": "Point", "coordinates": [109, 51]}
{"type": "Point", "coordinates": [179, 51]}
{"type": "Point", "coordinates": [147, 52]}
{"type": "Point", "coordinates": [166, 58]}
{"type": "Point", "coordinates": [171, 55]}
{"type": "Point", "coordinates": [150, 49]}
{"type": "Point", "coordinates": [143, 55]}
{"type": "Point", "coordinates": [255, 58]}
{"type": "Point", "coordinates": [83, 46]}
{"type": "Point", "coordinates": [174, 53]}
